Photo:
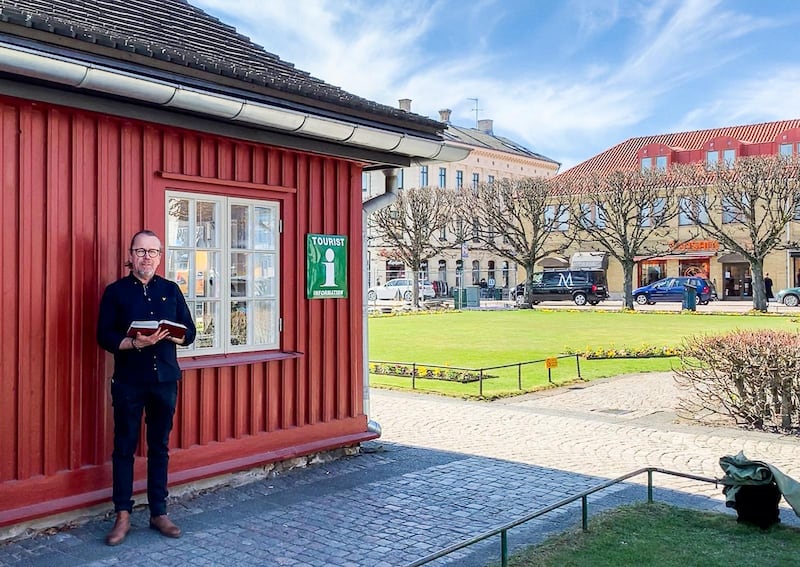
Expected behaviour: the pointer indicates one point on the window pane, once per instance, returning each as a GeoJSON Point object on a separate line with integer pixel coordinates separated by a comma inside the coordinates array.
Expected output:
{"type": "Point", "coordinates": [239, 226]}
{"type": "Point", "coordinates": [206, 235]}
{"type": "Point", "coordinates": [264, 284]}
{"type": "Point", "coordinates": [729, 156]}
{"type": "Point", "coordinates": [238, 330]}
{"type": "Point", "coordinates": [178, 269]}
{"type": "Point", "coordinates": [265, 322]}
{"type": "Point", "coordinates": [684, 217]}
{"type": "Point", "coordinates": [206, 319]}
{"type": "Point", "coordinates": [645, 164]}
{"type": "Point", "coordinates": [786, 149]}
{"type": "Point", "coordinates": [661, 163]}
{"type": "Point", "coordinates": [266, 228]}
{"type": "Point", "coordinates": [206, 272]}
{"type": "Point", "coordinates": [712, 158]}
{"type": "Point", "coordinates": [238, 273]}
{"type": "Point", "coordinates": [177, 222]}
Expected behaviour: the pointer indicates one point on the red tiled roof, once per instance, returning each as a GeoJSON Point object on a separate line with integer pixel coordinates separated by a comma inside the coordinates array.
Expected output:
{"type": "Point", "coordinates": [624, 156]}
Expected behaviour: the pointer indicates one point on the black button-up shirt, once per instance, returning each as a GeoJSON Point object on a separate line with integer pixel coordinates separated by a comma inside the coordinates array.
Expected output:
{"type": "Point", "coordinates": [127, 300]}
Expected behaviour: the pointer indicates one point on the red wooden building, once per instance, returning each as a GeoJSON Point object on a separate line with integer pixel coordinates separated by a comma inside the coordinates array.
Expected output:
{"type": "Point", "coordinates": [120, 115]}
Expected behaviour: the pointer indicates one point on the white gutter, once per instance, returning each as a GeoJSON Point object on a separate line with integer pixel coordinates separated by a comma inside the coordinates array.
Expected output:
{"type": "Point", "coordinates": [40, 65]}
{"type": "Point", "coordinates": [369, 206]}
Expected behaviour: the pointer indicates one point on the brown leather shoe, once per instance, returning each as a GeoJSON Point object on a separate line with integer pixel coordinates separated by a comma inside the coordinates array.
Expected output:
{"type": "Point", "coordinates": [121, 527]}
{"type": "Point", "coordinates": [164, 525]}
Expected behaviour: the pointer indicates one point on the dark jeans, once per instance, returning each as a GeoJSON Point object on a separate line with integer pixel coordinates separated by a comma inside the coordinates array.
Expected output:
{"type": "Point", "coordinates": [157, 400]}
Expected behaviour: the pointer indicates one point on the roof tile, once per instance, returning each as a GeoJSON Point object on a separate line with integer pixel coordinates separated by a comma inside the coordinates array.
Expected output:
{"type": "Point", "coordinates": [175, 31]}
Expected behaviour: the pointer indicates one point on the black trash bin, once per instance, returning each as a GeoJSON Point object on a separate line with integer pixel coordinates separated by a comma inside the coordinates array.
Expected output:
{"type": "Point", "coordinates": [689, 297]}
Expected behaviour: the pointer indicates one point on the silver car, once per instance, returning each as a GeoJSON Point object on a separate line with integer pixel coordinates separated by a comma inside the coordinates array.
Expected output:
{"type": "Point", "coordinates": [400, 289]}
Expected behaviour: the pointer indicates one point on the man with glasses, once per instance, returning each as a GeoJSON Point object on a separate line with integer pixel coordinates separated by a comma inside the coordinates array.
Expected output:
{"type": "Point", "coordinates": [145, 378]}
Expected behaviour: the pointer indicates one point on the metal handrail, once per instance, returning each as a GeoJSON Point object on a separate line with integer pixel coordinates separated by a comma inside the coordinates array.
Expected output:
{"type": "Point", "coordinates": [582, 496]}
{"type": "Point", "coordinates": [480, 371]}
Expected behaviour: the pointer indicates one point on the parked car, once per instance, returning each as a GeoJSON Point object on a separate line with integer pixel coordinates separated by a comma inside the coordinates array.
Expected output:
{"type": "Point", "coordinates": [789, 296]}
{"type": "Point", "coordinates": [400, 289]}
{"type": "Point", "coordinates": [580, 286]}
{"type": "Point", "coordinates": [671, 289]}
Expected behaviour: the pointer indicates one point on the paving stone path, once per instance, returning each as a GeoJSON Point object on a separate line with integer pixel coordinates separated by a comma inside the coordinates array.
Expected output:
{"type": "Point", "coordinates": [443, 471]}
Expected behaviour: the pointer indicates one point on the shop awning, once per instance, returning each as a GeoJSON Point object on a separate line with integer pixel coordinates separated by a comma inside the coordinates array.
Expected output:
{"type": "Point", "coordinates": [554, 262]}
{"type": "Point", "coordinates": [732, 258]}
{"type": "Point", "coordinates": [589, 261]}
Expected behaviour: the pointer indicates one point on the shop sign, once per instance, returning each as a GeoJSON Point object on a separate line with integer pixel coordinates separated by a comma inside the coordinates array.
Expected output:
{"type": "Point", "coordinates": [326, 266]}
{"type": "Point", "coordinates": [695, 246]}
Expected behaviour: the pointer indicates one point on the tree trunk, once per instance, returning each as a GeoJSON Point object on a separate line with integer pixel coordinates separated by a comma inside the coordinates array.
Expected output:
{"type": "Point", "coordinates": [627, 284]}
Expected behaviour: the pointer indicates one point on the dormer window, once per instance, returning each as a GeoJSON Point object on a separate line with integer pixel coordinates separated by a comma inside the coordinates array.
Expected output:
{"type": "Point", "coordinates": [654, 157]}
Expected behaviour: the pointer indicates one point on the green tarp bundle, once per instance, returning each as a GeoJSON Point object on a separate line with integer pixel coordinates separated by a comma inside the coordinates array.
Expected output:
{"type": "Point", "coordinates": [739, 471]}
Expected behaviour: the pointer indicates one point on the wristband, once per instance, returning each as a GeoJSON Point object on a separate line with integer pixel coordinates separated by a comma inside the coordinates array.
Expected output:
{"type": "Point", "coordinates": [133, 344]}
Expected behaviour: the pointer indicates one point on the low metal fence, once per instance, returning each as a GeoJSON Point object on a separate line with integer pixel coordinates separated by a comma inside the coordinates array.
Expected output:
{"type": "Point", "coordinates": [479, 372]}
{"type": "Point", "coordinates": [583, 497]}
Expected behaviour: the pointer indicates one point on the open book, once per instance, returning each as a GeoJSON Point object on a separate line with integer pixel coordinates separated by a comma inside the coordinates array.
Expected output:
{"type": "Point", "coordinates": [176, 330]}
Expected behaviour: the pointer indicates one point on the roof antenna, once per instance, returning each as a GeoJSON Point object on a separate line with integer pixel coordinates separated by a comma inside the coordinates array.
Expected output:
{"type": "Point", "coordinates": [476, 109]}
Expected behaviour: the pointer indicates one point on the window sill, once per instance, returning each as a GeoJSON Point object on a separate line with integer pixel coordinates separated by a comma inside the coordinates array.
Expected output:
{"type": "Point", "coordinates": [236, 359]}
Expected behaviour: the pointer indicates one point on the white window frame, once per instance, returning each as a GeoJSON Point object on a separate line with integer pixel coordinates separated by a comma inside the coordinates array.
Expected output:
{"type": "Point", "coordinates": [221, 252]}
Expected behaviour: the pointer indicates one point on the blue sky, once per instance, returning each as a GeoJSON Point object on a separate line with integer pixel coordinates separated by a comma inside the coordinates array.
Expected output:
{"type": "Point", "coordinates": [566, 78]}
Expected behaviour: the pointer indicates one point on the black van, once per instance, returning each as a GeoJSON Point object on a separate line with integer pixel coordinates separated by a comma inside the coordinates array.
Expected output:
{"type": "Point", "coordinates": [580, 286]}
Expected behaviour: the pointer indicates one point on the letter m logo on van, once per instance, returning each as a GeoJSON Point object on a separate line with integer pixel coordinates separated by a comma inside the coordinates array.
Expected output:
{"type": "Point", "coordinates": [565, 279]}
{"type": "Point", "coordinates": [326, 266]}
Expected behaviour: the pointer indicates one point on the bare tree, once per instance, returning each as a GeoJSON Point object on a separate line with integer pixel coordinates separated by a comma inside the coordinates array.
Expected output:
{"type": "Point", "coordinates": [522, 220]}
{"type": "Point", "coordinates": [757, 197]}
{"type": "Point", "coordinates": [410, 227]}
{"type": "Point", "coordinates": [626, 213]}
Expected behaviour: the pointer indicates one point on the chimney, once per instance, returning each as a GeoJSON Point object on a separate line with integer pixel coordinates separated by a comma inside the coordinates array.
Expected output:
{"type": "Point", "coordinates": [444, 115]}
{"type": "Point", "coordinates": [486, 126]}
{"type": "Point", "coordinates": [405, 104]}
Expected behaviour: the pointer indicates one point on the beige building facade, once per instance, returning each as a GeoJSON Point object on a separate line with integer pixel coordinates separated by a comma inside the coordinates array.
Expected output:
{"type": "Point", "coordinates": [491, 158]}
{"type": "Point", "coordinates": [700, 254]}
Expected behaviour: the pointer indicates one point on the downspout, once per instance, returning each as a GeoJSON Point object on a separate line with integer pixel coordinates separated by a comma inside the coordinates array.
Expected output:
{"type": "Point", "coordinates": [368, 207]}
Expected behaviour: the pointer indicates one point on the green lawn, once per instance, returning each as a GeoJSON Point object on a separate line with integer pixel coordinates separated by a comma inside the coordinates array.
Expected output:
{"type": "Point", "coordinates": [480, 339]}
{"type": "Point", "coordinates": [657, 534]}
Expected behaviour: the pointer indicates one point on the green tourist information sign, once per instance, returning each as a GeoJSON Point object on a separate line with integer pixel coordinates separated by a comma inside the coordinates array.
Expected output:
{"type": "Point", "coordinates": [326, 266]}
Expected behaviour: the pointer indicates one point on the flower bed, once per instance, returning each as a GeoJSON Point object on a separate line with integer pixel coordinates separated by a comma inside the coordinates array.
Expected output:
{"type": "Point", "coordinates": [430, 372]}
{"type": "Point", "coordinates": [642, 351]}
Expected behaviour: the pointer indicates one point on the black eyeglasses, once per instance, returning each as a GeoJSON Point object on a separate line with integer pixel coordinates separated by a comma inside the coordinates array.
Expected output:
{"type": "Point", "coordinates": [152, 252]}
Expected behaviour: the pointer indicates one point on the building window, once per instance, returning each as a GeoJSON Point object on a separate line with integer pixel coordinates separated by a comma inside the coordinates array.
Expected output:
{"type": "Point", "coordinates": [224, 254]}
{"type": "Point", "coordinates": [712, 159]}
{"type": "Point", "coordinates": [646, 164]}
{"type": "Point", "coordinates": [661, 163]}
{"type": "Point", "coordinates": [476, 228]}
{"type": "Point", "coordinates": [443, 233]}
{"type": "Point", "coordinates": [733, 212]}
{"type": "Point", "coordinates": [490, 179]}
{"type": "Point", "coordinates": [400, 179]}
{"type": "Point", "coordinates": [691, 210]}
{"type": "Point", "coordinates": [556, 220]}
{"type": "Point", "coordinates": [364, 181]}
{"type": "Point", "coordinates": [653, 213]}
{"type": "Point", "coordinates": [592, 216]}
{"type": "Point", "coordinates": [459, 179]}
{"type": "Point", "coordinates": [423, 176]}
{"type": "Point", "coordinates": [476, 179]}
{"type": "Point", "coordinates": [442, 177]}
{"type": "Point", "coordinates": [729, 157]}
{"type": "Point", "coordinates": [476, 272]}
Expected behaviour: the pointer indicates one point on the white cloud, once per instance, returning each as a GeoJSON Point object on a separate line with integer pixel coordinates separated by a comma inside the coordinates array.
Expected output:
{"type": "Point", "coordinates": [389, 50]}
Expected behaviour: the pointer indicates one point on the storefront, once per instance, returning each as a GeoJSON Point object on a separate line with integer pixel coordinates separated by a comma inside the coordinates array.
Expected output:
{"type": "Point", "coordinates": [737, 282]}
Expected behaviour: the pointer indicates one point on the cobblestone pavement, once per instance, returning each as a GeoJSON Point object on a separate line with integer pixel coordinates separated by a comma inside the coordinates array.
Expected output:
{"type": "Point", "coordinates": [443, 471]}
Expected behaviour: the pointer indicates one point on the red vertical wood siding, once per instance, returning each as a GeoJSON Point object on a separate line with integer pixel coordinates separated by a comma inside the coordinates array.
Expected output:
{"type": "Point", "coordinates": [75, 187]}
